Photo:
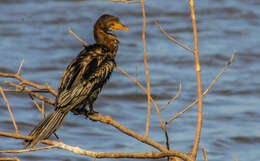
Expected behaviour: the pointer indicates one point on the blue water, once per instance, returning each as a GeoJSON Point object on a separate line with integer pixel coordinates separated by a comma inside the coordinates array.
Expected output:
{"type": "Point", "coordinates": [37, 31]}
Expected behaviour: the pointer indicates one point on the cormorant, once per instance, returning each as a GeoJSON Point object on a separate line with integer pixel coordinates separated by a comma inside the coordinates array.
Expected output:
{"type": "Point", "coordinates": [83, 79]}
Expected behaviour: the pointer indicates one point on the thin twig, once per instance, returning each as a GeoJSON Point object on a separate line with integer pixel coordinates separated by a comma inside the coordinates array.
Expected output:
{"type": "Point", "coordinates": [172, 38]}
{"type": "Point", "coordinates": [10, 159]}
{"type": "Point", "coordinates": [206, 91]}
{"type": "Point", "coordinates": [37, 105]}
{"type": "Point", "coordinates": [82, 41]}
{"type": "Point", "coordinates": [199, 87]}
{"type": "Point", "coordinates": [167, 137]}
{"type": "Point", "coordinates": [20, 68]}
{"type": "Point", "coordinates": [126, 1]}
{"type": "Point", "coordinates": [27, 90]}
{"type": "Point", "coordinates": [21, 91]}
{"type": "Point", "coordinates": [204, 153]}
{"type": "Point", "coordinates": [172, 99]}
{"type": "Point", "coordinates": [27, 150]}
{"type": "Point", "coordinates": [167, 142]}
{"type": "Point", "coordinates": [146, 74]}
{"type": "Point", "coordinates": [145, 91]}
{"type": "Point", "coordinates": [43, 107]}
{"type": "Point", "coordinates": [222, 71]}
{"type": "Point", "coordinates": [29, 83]}
{"type": "Point", "coordinates": [235, 157]}
{"type": "Point", "coordinates": [132, 78]}
{"type": "Point", "coordinates": [9, 109]}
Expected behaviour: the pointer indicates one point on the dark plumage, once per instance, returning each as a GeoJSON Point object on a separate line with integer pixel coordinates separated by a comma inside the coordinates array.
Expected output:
{"type": "Point", "coordinates": [83, 79]}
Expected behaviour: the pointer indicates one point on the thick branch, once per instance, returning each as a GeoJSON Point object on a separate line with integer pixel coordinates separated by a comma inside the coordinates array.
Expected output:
{"type": "Point", "coordinates": [110, 121]}
{"type": "Point", "coordinates": [77, 150]}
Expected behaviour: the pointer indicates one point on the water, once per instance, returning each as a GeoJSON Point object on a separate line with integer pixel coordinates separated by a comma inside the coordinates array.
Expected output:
{"type": "Point", "coordinates": [36, 31]}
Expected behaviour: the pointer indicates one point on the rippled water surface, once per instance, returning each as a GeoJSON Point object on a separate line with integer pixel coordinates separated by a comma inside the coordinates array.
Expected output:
{"type": "Point", "coordinates": [36, 31]}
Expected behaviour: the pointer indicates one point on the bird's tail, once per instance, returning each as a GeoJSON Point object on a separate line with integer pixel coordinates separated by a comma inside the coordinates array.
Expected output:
{"type": "Point", "coordinates": [46, 127]}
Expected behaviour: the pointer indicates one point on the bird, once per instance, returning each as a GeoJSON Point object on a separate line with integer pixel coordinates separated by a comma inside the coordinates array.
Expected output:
{"type": "Point", "coordinates": [83, 79]}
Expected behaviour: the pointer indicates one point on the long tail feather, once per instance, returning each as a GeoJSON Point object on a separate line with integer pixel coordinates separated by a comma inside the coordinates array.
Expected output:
{"type": "Point", "coordinates": [46, 127]}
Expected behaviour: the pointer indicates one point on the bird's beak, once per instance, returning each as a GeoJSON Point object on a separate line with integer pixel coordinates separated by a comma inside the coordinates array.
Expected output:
{"type": "Point", "coordinates": [118, 26]}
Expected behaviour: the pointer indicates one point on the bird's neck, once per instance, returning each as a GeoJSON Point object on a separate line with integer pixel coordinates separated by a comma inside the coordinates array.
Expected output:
{"type": "Point", "coordinates": [107, 39]}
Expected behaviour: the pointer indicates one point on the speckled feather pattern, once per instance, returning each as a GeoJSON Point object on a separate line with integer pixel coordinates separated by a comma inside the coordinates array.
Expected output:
{"type": "Point", "coordinates": [88, 72]}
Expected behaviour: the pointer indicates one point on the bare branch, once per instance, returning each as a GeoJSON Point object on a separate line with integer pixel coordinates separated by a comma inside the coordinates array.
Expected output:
{"type": "Point", "coordinates": [27, 150]}
{"type": "Point", "coordinates": [20, 88]}
{"type": "Point", "coordinates": [146, 74]}
{"type": "Point", "coordinates": [107, 120]}
{"type": "Point", "coordinates": [82, 41]}
{"type": "Point", "coordinates": [126, 1]}
{"type": "Point", "coordinates": [142, 87]}
{"type": "Point", "coordinates": [173, 98]}
{"type": "Point", "coordinates": [43, 107]}
{"type": "Point", "coordinates": [235, 157]}
{"type": "Point", "coordinates": [172, 38]}
{"type": "Point", "coordinates": [206, 91]}
{"type": "Point", "coordinates": [20, 68]}
{"type": "Point", "coordinates": [9, 109]}
{"type": "Point", "coordinates": [26, 82]}
{"type": "Point", "coordinates": [37, 105]}
{"type": "Point", "coordinates": [110, 121]}
{"type": "Point", "coordinates": [10, 159]}
{"type": "Point", "coordinates": [132, 78]}
{"type": "Point", "coordinates": [199, 88]}
{"type": "Point", "coordinates": [204, 153]}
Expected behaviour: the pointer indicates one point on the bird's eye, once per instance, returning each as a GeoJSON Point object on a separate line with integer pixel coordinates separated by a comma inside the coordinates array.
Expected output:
{"type": "Point", "coordinates": [112, 24]}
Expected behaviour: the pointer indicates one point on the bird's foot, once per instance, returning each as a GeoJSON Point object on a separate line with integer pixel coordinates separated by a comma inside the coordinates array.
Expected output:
{"type": "Point", "coordinates": [57, 137]}
{"type": "Point", "coordinates": [91, 113]}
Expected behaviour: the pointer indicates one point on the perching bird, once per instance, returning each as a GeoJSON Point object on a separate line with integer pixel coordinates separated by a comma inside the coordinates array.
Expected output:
{"type": "Point", "coordinates": [83, 79]}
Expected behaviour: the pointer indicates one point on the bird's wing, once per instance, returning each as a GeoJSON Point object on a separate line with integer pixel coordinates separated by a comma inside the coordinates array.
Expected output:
{"type": "Point", "coordinates": [82, 76]}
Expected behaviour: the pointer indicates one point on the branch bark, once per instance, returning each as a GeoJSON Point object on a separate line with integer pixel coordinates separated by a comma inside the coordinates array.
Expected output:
{"type": "Point", "coordinates": [199, 88]}
{"type": "Point", "coordinates": [9, 109]}
{"type": "Point", "coordinates": [26, 82]}
{"type": "Point", "coordinates": [108, 120]}
{"type": "Point", "coordinates": [20, 88]}
{"type": "Point", "coordinates": [146, 73]}
{"type": "Point", "coordinates": [206, 91]}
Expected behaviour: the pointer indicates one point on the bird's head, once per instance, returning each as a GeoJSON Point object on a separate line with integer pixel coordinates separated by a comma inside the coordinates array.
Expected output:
{"type": "Point", "coordinates": [109, 23]}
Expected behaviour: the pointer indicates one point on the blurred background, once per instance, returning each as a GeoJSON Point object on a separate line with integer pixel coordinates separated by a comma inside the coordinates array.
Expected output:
{"type": "Point", "coordinates": [37, 31]}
